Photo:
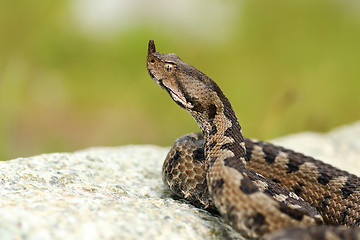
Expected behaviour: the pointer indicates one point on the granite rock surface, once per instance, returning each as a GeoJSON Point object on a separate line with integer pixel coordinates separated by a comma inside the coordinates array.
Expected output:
{"type": "Point", "coordinates": [117, 193]}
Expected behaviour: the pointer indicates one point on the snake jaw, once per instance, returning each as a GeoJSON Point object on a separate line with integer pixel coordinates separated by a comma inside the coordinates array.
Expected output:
{"type": "Point", "coordinates": [177, 97]}
{"type": "Point", "coordinates": [180, 100]}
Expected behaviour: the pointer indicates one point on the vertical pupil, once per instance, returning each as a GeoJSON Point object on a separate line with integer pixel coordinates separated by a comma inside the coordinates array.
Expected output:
{"type": "Point", "coordinates": [168, 68]}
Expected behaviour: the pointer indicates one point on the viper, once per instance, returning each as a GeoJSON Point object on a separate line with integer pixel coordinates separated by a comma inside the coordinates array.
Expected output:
{"type": "Point", "coordinates": [261, 190]}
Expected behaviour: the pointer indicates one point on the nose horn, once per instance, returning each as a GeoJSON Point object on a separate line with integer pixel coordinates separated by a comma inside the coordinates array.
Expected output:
{"type": "Point", "coordinates": [151, 48]}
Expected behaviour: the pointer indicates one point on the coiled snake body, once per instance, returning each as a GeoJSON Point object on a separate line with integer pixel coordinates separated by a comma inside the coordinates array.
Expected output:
{"type": "Point", "coordinates": [262, 190]}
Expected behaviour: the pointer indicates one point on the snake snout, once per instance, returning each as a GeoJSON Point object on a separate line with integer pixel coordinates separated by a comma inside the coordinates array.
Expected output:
{"type": "Point", "coordinates": [151, 47]}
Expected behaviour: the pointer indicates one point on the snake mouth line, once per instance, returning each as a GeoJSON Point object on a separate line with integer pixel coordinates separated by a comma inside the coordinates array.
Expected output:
{"type": "Point", "coordinates": [181, 101]}
{"type": "Point", "coordinates": [152, 76]}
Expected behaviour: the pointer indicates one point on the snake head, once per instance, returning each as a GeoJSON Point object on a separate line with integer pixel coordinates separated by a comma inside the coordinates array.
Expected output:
{"type": "Point", "coordinates": [187, 86]}
{"type": "Point", "coordinates": [163, 69]}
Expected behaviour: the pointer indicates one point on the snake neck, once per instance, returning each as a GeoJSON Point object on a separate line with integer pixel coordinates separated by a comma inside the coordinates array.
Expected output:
{"type": "Point", "coordinates": [222, 133]}
{"type": "Point", "coordinates": [204, 100]}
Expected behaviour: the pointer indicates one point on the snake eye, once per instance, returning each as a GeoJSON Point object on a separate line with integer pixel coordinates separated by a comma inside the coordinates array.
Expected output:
{"type": "Point", "coordinates": [169, 67]}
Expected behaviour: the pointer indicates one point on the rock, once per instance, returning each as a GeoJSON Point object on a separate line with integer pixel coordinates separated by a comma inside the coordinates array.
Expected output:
{"type": "Point", "coordinates": [99, 193]}
{"type": "Point", "coordinates": [117, 193]}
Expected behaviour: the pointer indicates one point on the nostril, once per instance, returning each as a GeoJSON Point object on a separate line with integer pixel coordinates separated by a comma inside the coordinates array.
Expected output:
{"type": "Point", "coordinates": [152, 60]}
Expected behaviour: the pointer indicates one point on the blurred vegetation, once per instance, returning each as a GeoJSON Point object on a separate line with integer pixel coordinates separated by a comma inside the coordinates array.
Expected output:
{"type": "Point", "coordinates": [286, 66]}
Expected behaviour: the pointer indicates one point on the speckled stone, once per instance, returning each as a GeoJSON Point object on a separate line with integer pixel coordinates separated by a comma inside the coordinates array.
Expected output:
{"type": "Point", "coordinates": [117, 193]}
{"type": "Point", "coordinates": [98, 193]}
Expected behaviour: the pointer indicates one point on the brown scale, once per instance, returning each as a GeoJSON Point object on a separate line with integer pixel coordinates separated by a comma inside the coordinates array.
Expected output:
{"type": "Point", "coordinates": [184, 171]}
{"type": "Point", "coordinates": [241, 195]}
{"type": "Point", "coordinates": [327, 198]}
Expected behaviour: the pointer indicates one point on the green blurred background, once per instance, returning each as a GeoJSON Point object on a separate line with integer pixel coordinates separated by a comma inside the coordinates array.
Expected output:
{"type": "Point", "coordinates": [72, 73]}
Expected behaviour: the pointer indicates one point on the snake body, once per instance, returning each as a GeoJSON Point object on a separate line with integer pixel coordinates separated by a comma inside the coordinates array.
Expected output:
{"type": "Point", "coordinates": [262, 190]}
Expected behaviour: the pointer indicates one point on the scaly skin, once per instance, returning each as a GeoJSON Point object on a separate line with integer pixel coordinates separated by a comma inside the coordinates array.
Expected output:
{"type": "Point", "coordinates": [254, 205]}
